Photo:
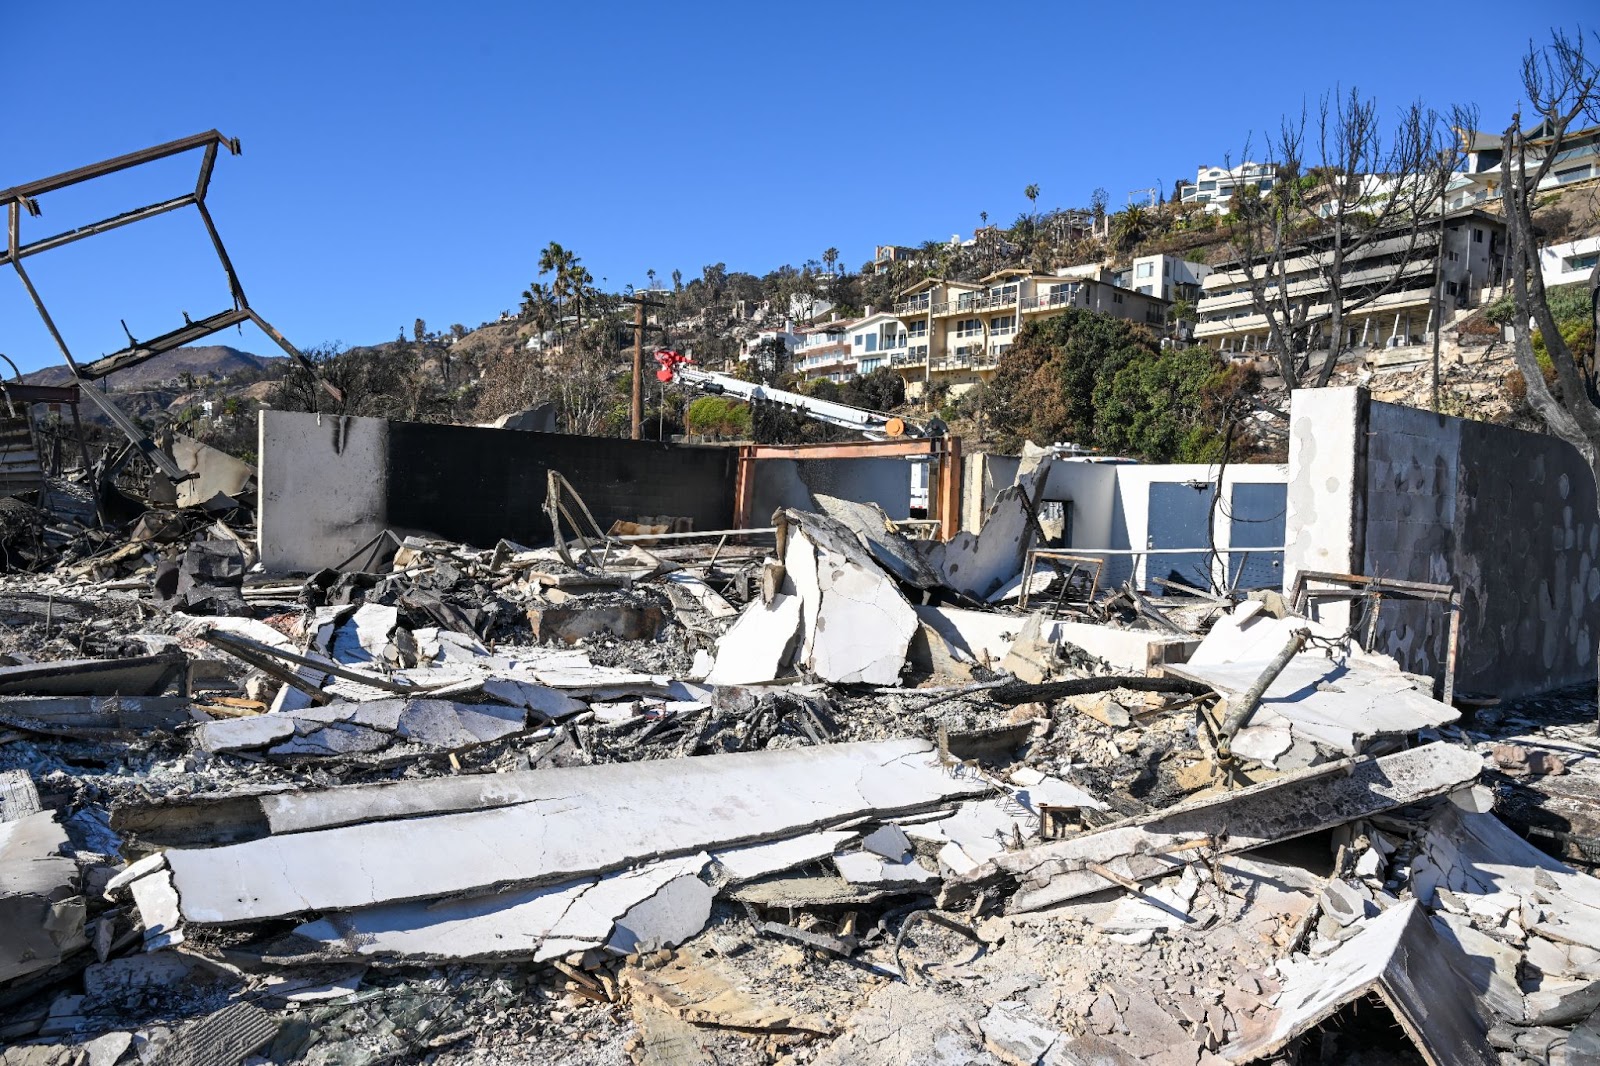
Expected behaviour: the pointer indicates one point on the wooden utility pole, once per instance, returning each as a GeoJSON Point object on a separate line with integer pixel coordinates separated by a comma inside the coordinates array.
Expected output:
{"type": "Point", "coordinates": [637, 408]}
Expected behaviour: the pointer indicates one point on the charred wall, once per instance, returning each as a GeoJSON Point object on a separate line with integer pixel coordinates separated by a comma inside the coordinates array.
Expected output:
{"type": "Point", "coordinates": [330, 484]}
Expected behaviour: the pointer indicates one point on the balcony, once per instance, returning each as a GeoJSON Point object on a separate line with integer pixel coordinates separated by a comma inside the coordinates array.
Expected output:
{"type": "Point", "coordinates": [986, 301]}
{"type": "Point", "coordinates": [915, 305]}
{"type": "Point", "coordinates": [1049, 301]}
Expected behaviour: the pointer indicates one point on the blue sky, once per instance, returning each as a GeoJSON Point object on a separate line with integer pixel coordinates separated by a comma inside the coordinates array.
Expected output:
{"type": "Point", "coordinates": [409, 159]}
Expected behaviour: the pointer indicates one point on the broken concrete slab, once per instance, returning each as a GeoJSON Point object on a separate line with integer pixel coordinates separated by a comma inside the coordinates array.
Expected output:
{"type": "Point", "coordinates": [573, 822]}
{"type": "Point", "coordinates": [214, 470]}
{"type": "Point", "coordinates": [893, 551]}
{"type": "Point", "coordinates": [759, 645]}
{"type": "Point", "coordinates": [855, 625]}
{"type": "Point", "coordinates": [980, 564]}
{"type": "Point", "coordinates": [614, 911]}
{"type": "Point", "coordinates": [867, 868]}
{"type": "Point", "coordinates": [1398, 957]}
{"type": "Point", "coordinates": [1342, 703]}
{"type": "Point", "coordinates": [354, 728]}
{"type": "Point", "coordinates": [1013, 1032]}
{"type": "Point", "coordinates": [41, 909]}
{"type": "Point", "coordinates": [778, 856]}
{"type": "Point", "coordinates": [1280, 809]}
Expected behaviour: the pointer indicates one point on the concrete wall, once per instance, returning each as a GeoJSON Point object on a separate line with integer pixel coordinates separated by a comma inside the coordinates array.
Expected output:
{"type": "Point", "coordinates": [330, 484]}
{"type": "Point", "coordinates": [1111, 507]}
{"type": "Point", "coordinates": [982, 476]}
{"type": "Point", "coordinates": [1508, 517]}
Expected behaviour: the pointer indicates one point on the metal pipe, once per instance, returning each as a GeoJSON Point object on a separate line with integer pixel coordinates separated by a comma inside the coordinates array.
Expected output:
{"type": "Point", "coordinates": [1240, 714]}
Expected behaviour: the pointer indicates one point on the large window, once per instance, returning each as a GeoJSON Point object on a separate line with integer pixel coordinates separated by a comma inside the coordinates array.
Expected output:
{"type": "Point", "coordinates": [919, 328]}
{"type": "Point", "coordinates": [1145, 270]}
{"type": "Point", "coordinates": [872, 342]}
{"type": "Point", "coordinates": [1003, 324]}
{"type": "Point", "coordinates": [969, 327]}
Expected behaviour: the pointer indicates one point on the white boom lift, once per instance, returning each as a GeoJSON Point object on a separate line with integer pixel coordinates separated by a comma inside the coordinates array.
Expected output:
{"type": "Point", "coordinates": [675, 367]}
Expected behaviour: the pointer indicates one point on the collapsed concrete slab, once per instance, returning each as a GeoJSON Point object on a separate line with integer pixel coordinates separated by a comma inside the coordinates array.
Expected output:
{"type": "Point", "coordinates": [370, 726]}
{"type": "Point", "coordinates": [1151, 845]}
{"type": "Point", "coordinates": [1399, 958]}
{"type": "Point", "coordinates": [536, 924]}
{"type": "Point", "coordinates": [568, 823]}
{"type": "Point", "coordinates": [41, 909]}
{"type": "Point", "coordinates": [836, 615]}
{"type": "Point", "coordinates": [1341, 704]}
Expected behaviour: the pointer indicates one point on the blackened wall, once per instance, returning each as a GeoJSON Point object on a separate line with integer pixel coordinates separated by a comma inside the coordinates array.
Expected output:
{"type": "Point", "coordinates": [479, 485]}
{"type": "Point", "coordinates": [329, 484]}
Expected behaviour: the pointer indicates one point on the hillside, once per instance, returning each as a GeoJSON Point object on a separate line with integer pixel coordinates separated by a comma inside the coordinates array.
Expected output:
{"type": "Point", "coordinates": [202, 361]}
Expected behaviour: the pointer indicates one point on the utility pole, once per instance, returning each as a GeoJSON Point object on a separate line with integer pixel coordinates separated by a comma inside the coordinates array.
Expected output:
{"type": "Point", "coordinates": [636, 410]}
{"type": "Point", "coordinates": [636, 406]}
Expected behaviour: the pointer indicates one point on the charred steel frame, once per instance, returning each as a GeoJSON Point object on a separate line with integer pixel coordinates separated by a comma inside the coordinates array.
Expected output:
{"type": "Point", "coordinates": [21, 198]}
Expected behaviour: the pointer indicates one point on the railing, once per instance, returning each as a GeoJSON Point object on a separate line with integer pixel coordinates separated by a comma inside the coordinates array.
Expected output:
{"type": "Point", "coordinates": [907, 307]}
{"type": "Point", "coordinates": [986, 300]}
{"type": "Point", "coordinates": [1049, 299]}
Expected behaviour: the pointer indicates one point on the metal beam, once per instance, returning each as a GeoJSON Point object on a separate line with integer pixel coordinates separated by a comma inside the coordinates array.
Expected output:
{"type": "Point", "coordinates": [138, 214]}
{"type": "Point", "coordinates": [186, 334]}
{"type": "Point", "coordinates": [24, 193]}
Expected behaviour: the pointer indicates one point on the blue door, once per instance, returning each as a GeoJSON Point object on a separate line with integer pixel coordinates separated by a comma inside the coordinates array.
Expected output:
{"type": "Point", "coordinates": [1179, 517]}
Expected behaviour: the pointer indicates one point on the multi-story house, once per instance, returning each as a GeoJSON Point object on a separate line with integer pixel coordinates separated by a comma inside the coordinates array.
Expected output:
{"type": "Point", "coordinates": [1569, 262]}
{"type": "Point", "coordinates": [1386, 285]}
{"type": "Point", "coordinates": [824, 351]}
{"type": "Point", "coordinates": [1479, 181]}
{"type": "Point", "coordinates": [956, 331]}
{"type": "Point", "coordinates": [1170, 277]}
{"type": "Point", "coordinates": [875, 340]}
{"type": "Point", "coordinates": [1214, 186]}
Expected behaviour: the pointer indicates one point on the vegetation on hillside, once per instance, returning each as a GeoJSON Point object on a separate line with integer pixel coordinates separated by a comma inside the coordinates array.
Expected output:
{"type": "Point", "coordinates": [1101, 382]}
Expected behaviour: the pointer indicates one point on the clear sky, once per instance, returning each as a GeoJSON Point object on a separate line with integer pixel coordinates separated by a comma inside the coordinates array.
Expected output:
{"type": "Point", "coordinates": [406, 159]}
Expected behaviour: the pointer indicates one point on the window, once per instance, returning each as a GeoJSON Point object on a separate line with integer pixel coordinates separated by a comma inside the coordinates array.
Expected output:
{"type": "Point", "coordinates": [1477, 235]}
{"type": "Point", "coordinates": [1116, 297]}
{"type": "Point", "coordinates": [1582, 262]}
{"type": "Point", "coordinates": [969, 327]}
{"type": "Point", "coordinates": [1145, 270]}
{"type": "Point", "coordinates": [919, 328]}
{"type": "Point", "coordinates": [1208, 186]}
{"type": "Point", "coordinates": [859, 339]}
{"type": "Point", "coordinates": [1003, 324]}
{"type": "Point", "coordinates": [1266, 184]}
{"type": "Point", "coordinates": [872, 342]}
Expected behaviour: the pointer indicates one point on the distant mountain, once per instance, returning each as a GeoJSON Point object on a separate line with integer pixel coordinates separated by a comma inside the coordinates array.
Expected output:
{"type": "Point", "coordinates": [216, 359]}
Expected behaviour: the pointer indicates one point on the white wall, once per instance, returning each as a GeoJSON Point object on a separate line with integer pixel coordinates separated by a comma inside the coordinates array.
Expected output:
{"type": "Point", "coordinates": [1111, 503]}
{"type": "Point", "coordinates": [1322, 471]}
{"type": "Point", "coordinates": [1554, 261]}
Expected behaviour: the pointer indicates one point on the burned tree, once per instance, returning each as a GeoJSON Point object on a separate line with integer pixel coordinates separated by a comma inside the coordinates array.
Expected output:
{"type": "Point", "coordinates": [1343, 191]}
{"type": "Point", "coordinates": [1562, 83]}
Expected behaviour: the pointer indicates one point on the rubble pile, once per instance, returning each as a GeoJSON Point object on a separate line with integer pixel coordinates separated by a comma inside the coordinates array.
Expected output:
{"type": "Point", "coordinates": [829, 799]}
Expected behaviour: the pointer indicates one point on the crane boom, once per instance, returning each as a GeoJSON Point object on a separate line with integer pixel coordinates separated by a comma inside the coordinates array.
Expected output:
{"type": "Point", "coordinates": [675, 367]}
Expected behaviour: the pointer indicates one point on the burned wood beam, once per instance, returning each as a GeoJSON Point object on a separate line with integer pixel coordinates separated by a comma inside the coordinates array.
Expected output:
{"type": "Point", "coordinates": [1018, 692]}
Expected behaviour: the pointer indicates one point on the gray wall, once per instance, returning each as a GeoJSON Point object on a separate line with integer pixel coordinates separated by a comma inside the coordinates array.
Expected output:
{"type": "Point", "coordinates": [1508, 517]}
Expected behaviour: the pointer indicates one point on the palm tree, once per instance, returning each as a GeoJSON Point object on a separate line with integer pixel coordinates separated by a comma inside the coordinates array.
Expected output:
{"type": "Point", "coordinates": [1032, 193]}
{"type": "Point", "coordinates": [556, 260]}
{"type": "Point", "coordinates": [829, 258]}
{"type": "Point", "coordinates": [579, 286]}
{"type": "Point", "coordinates": [538, 303]}
{"type": "Point", "coordinates": [1130, 226]}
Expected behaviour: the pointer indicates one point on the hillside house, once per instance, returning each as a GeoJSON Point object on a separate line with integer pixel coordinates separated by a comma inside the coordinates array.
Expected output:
{"type": "Point", "coordinates": [1214, 187]}
{"type": "Point", "coordinates": [957, 330]}
{"type": "Point", "coordinates": [1473, 252]}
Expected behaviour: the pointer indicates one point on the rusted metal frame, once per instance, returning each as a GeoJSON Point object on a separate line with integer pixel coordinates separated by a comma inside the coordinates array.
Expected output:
{"type": "Point", "coordinates": [866, 449]}
{"type": "Point", "coordinates": [137, 437]}
{"type": "Point", "coordinates": [185, 334]}
{"type": "Point", "coordinates": [94, 229]}
{"type": "Point", "coordinates": [948, 451]}
{"type": "Point", "coordinates": [1054, 556]}
{"type": "Point", "coordinates": [32, 189]}
{"type": "Point", "coordinates": [235, 289]}
{"type": "Point", "coordinates": [1374, 589]}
